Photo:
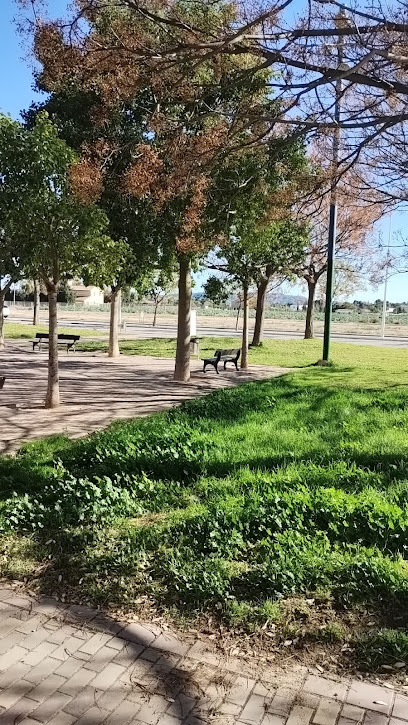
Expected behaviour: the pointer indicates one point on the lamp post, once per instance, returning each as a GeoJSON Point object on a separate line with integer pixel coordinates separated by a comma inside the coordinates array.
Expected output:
{"type": "Point", "coordinates": [341, 21]}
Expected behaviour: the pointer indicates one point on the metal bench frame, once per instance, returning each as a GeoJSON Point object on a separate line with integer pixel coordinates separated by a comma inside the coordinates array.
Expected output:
{"type": "Point", "coordinates": [68, 340]}
{"type": "Point", "coordinates": [222, 356]}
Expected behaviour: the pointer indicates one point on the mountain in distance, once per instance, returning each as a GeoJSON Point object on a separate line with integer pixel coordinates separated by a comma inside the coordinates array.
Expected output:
{"type": "Point", "coordinates": [277, 298]}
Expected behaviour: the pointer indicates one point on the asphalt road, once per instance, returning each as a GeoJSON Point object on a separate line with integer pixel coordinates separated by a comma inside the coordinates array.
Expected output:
{"type": "Point", "coordinates": [137, 330]}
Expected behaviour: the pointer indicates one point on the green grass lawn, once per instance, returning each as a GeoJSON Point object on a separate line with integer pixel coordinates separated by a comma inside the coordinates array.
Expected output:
{"type": "Point", "coordinates": [16, 330]}
{"type": "Point", "coordinates": [281, 503]}
{"type": "Point", "coordinates": [368, 365]}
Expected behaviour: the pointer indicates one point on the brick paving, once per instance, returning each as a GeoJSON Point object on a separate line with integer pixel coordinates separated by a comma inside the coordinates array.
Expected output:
{"type": "Point", "coordinates": [66, 665]}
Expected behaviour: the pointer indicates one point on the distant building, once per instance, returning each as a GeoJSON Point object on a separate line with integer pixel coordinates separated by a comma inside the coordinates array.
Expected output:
{"type": "Point", "coordinates": [87, 296]}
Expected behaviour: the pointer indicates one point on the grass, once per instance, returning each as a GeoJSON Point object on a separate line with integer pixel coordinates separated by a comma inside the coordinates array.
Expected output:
{"type": "Point", "coordinates": [16, 330]}
{"type": "Point", "coordinates": [283, 501]}
{"type": "Point", "coordinates": [368, 365]}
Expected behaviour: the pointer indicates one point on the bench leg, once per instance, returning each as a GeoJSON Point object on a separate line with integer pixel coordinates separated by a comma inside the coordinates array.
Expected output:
{"type": "Point", "coordinates": [216, 367]}
{"type": "Point", "coordinates": [236, 365]}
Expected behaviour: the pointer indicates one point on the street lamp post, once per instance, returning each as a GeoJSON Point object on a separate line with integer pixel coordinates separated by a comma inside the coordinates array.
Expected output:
{"type": "Point", "coordinates": [341, 20]}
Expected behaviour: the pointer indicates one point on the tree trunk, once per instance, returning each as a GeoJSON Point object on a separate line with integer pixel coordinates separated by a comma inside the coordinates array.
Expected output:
{"type": "Point", "coordinates": [182, 367]}
{"type": "Point", "coordinates": [237, 320]}
{"type": "Point", "coordinates": [114, 323]}
{"type": "Point", "coordinates": [52, 399]}
{"type": "Point", "coordinates": [244, 352]}
{"type": "Point", "coordinates": [3, 293]}
{"type": "Point", "coordinates": [310, 310]}
{"type": "Point", "coordinates": [36, 317]}
{"type": "Point", "coordinates": [260, 312]}
{"type": "Point", "coordinates": [155, 314]}
{"type": "Point", "coordinates": [2, 296]}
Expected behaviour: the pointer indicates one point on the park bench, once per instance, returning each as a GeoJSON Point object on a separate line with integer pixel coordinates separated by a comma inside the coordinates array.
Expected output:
{"type": "Point", "coordinates": [222, 356]}
{"type": "Point", "coordinates": [68, 340]}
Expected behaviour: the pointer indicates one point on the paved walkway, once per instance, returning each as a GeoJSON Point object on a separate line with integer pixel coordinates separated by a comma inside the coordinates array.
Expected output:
{"type": "Point", "coordinates": [63, 664]}
{"type": "Point", "coordinates": [96, 390]}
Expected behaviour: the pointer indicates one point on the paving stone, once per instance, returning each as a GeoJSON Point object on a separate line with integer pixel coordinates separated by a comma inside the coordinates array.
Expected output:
{"type": "Point", "coordinates": [45, 649]}
{"type": "Point", "coordinates": [83, 701]}
{"type": "Point", "coordinates": [48, 606]}
{"type": "Point", "coordinates": [254, 709]}
{"type": "Point", "coordinates": [21, 709]}
{"type": "Point", "coordinates": [282, 702]}
{"type": "Point", "coordinates": [375, 718]}
{"type": "Point", "coordinates": [80, 613]}
{"type": "Point", "coordinates": [147, 716]}
{"type": "Point", "coordinates": [62, 718]}
{"type": "Point", "coordinates": [95, 643]}
{"type": "Point", "coordinates": [30, 625]}
{"type": "Point", "coordinates": [42, 670]}
{"type": "Point", "coordinates": [14, 673]}
{"type": "Point", "coordinates": [14, 693]}
{"type": "Point", "coordinates": [168, 643]}
{"type": "Point", "coordinates": [228, 708]}
{"type": "Point", "coordinates": [397, 721]}
{"type": "Point", "coordinates": [264, 689]}
{"type": "Point", "coordinates": [351, 712]}
{"type": "Point", "coordinates": [271, 719]}
{"type": "Point", "coordinates": [149, 654]}
{"type": "Point", "coordinates": [68, 647]}
{"type": "Point", "coordinates": [8, 624]}
{"type": "Point", "coordinates": [128, 655]}
{"type": "Point", "coordinates": [112, 698]}
{"type": "Point", "coordinates": [60, 635]}
{"type": "Point", "coordinates": [327, 712]}
{"type": "Point", "coordinates": [241, 690]}
{"type": "Point", "coordinates": [400, 708]}
{"type": "Point", "coordinates": [28, 721]}
{"type": "Point", "coordinates": [169, 720]}
{"type": "Point", "coordinates": [93, 716]}
{"type": "Point", "coordinates": [31, 641]}
{"type": "Point", "coordinates": [108, 676]}
{"type": "Point", "coordinates": [137, 633]}
{"type": "Point", "coordinates": [77, 682]}
{"type": "Point", "coordinates": [325, 688]}
{"type": "Point", "coordinates": [47, 687]}
{"type": "Point", "coordinates": [300, 716]}
{"type": "Point", "coordinates": [365, 695]}
{"type": "Point", "coordinates": [122, 714]}
{"type": "Point", "coordinates": [11, 657]}
{"type": "Point", "coordinates": [346, 721]}
{"type": "Point", "coordinates": [10, 640]}
{"type": "Point", "coordinates": [307, 699]}
{"type": "Point", "coordinates": [56, 702]}
{"type": "Point", "coordinates": [69, 667]}
{"type": "Point", "coordinates": [102, 658]}
{"type": "Point", "coordinates": [182, 706]}
{"type": "Point", "coordinates": [17, 600]}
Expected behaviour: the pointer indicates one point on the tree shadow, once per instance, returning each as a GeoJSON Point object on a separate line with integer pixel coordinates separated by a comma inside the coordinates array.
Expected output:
{"type": "Point", "coordinates": [102, 667]}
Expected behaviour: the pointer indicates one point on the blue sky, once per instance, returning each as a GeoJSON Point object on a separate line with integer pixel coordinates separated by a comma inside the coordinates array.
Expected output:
{"type": "Point", "coordinates": [17, 93]}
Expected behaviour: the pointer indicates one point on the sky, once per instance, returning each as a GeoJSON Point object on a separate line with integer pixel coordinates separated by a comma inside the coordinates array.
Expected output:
{"type": "Point", "coordinates": [17, 93]}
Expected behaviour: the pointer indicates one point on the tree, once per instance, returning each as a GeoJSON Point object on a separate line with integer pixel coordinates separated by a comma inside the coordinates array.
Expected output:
{"type": "Point", "coordinates": [188, 129]}
{"type": "Point", "coordinates": [355, 221]}
{"type": "Point", "coordinates": [61, 236]}
{"type": "Point", "coordinates": [132, 224]}
{"type": "Point", "coordinates": [252, 249]}
{"type": "Point", "coordinates": [216, 290]}
{"type": "Point", "coordinates": [302, 47]}
{"type": "Point", "coordinates": [157, 291]}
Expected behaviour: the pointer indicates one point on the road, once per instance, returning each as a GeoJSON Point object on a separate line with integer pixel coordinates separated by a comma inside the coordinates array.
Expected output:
{"type": "Point", "coordinates": [137, 330]}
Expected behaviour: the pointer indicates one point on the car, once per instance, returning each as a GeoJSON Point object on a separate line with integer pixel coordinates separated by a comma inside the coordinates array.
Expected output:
{"type": "Point", "coordinates": [6, 311]}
